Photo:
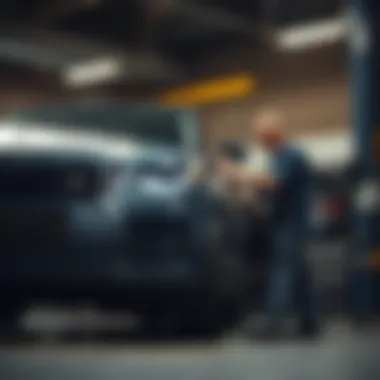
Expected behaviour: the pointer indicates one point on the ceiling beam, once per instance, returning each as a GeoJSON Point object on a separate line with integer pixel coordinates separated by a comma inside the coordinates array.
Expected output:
{"type": "Point", "coordinates": [55, 10]}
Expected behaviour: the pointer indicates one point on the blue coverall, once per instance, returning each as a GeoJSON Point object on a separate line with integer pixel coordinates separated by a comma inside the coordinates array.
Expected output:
{"type": "Point", "coordinates": [290, 283]}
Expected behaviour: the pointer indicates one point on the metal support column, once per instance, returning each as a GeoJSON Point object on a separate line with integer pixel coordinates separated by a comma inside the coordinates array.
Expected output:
{"type": "Point", "coordinates": [366, 122]}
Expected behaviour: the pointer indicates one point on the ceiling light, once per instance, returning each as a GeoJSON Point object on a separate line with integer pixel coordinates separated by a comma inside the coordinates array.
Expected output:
{"type": "Point", "coordinates": [310, 35]}
{"type": "Point", "coordinates": [93, 72]}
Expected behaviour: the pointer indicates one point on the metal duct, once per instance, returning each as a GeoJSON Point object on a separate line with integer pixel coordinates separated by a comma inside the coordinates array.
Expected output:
{"type": "Point", "coordinates": [199, 14]}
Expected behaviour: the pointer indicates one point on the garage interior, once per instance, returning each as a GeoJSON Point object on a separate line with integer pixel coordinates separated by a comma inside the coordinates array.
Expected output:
{"type": "Point", "coordinates": [165, 44]}
{"type": "Point", "coordinates": [139, 50]}
{"type": "Point", "coordinates": [296, 54]}
{"type": "Point", "coordinates": [134, 50]}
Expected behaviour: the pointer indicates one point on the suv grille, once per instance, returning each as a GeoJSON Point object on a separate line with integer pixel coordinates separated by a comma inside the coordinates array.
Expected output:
{"type": "Point", "coordinates": [22, 181]}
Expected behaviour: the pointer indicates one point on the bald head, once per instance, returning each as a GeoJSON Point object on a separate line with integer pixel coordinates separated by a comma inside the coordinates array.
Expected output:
{"type": "Point", "coordinates": [268, 129]}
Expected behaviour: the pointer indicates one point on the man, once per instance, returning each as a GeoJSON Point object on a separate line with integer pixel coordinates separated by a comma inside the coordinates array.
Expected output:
{"type": "Point", "coordinates": [289, 182]}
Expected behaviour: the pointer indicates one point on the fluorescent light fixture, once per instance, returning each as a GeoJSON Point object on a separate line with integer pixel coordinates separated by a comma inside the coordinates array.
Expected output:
{"type": "Point", "coordinates": [93, 72]}
{"type": "Point", "coordinates": [312, 34]}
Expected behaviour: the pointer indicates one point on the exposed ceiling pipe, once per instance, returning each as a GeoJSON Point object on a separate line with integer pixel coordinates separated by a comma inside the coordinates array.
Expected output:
{"type": "Point", "coordinates": [201, 14]}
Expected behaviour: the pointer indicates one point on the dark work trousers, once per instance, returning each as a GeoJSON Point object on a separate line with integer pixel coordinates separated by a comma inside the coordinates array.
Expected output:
{"type": "Point", "coordinates": [290, 281]}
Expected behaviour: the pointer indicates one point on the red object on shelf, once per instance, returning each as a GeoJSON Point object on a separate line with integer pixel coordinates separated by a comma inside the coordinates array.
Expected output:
{"type": "Point", "coordinates": [335, 208]}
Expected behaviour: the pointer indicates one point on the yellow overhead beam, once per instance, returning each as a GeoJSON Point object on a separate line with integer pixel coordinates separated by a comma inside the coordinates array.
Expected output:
{"type": "Point", "coordinates": [211, 91]}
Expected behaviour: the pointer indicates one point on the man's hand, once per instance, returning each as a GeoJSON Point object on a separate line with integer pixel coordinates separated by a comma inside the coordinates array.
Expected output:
{"type": "Point", "coordinates": [228, 171]}
{"type": "Point", "coordinates": [258, 181]}
{"type": "Point", "coordinates": [234, 173]}
{"type": "Point", "coordinates": [265, 181]}
{"type": "Point", "coordinates": [246, 197]}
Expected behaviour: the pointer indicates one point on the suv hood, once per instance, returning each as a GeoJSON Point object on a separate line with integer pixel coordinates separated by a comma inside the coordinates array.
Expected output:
{"type": "Point", "coordinates": [28, 139]}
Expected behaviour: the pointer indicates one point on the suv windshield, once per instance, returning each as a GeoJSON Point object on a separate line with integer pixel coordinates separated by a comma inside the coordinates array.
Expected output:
{"type": "Point", "coordinates": [146, 124]}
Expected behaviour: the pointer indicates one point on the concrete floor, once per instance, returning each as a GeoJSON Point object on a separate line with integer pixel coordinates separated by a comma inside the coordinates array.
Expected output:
{"type": "Point", "coordinates": [339, 354]}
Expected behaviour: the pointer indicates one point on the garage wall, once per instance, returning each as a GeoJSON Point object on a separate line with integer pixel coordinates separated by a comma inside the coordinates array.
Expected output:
{"type": "Point", "coordinates": [324, 152]}
{"type": "Point", "coordinates": [311, 88]}
{"type": "Point", "coordinates": [319, 109]}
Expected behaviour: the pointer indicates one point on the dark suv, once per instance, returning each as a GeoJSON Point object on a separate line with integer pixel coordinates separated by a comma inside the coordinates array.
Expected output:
{"type": "Point", "coordinates": [100, 202]}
